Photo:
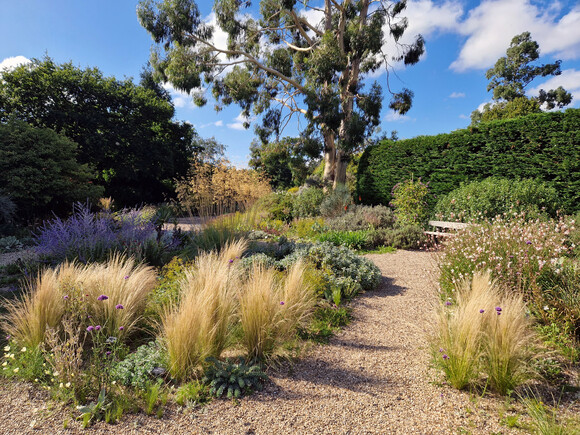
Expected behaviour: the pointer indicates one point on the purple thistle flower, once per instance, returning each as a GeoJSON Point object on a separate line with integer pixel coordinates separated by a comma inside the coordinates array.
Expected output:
{"type": "Point", "coordinates": [119, 306]}
{"type": "Point", "coordinates": [441, 349]}
{"type": "Point", "coordinates": [102, 298]}
{"type": "Point", "coordinates": [98, 328]}
{"type": "Point", "coordinates": [90, 328]}
{"type": "Point", "coordinates": [445, 356]}
{"type": "Point", "coordinates": [281, 302]}
{"type": "Point", "coordinates": [482, 311]}
{"type": "Point", "coordinates": [121, 328]}
{"type": "Point", "coordinates": [65, 297]}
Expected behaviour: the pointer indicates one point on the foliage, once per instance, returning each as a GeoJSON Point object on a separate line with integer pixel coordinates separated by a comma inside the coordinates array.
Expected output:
{"type": "Point", "coordinates": [39, 171]}
{"type": "Point", "coordinates": [541, 146]}
{"type": "Point", "coordinates": [286, 162]}
{"type": "Point", "coordinates": [7, 210]}
{"type": "Point", "coordinates": [319, 72]}
{"type": "Point", "coordinates": [545, 421]}
{"type": "Point", "coordinates": [87, 236]}
{"type": "Point", "coordinates": [410, 202]}
{"type": "Point", "coordinates": [516, 252]}
{"type": "Point", "coordinates": [280, 206]}
{"type": "Point", "coordinates": [215, 189]}
{"type": "Point", "coordinates": [362, 217]}
{"type": "Point", "coordinates": [199, 325]}
{"type": "Point", "coordinates": [483, 329]}
{"type": "Point", "coordinates": [192, 393]}
{"type": "Point", "coordinates": [520, 106]}
{"type": "Point", "coordinates": [327, 319]}
{"type": "Point", "coordinates": [168, 289]}
{"type": "Point", "coordinates": [512, 73]}
{"type": "Point", "coordinates": [405, 237]}
{"type": "Point", "coordinates": [336, 202]}
{"type": "Point", "coordinates": [76, 292]}
{"type": "Point", "coordinates": [351, 239]}
{"type": "Point", "coordinates": [306, 228]}
{"type": "Point", "coordinates": [125, 131]}
{"type": "Point", "coordinates": [217, 233]}
{"type": "Point", "coordinates": [234, 378]}
{"type": "Point", "coordinates": [307, 202]}
{"type": "Point", "coordinates": [478, 200]}
{"type": "Point", "coordinates": [9, 244]}
{"type": "Point", "coordinates": [136, 369]}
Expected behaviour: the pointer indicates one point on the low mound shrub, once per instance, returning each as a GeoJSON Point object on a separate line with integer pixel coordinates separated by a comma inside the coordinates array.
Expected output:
{"type": "Point", "coordinates": [362, 217]}
{"type": "Point", "coordinates": [479, 200]}
{"type": "Point", "coordinates": [306, 203]}
{"type": "Point", "coordinates": [336, 202]}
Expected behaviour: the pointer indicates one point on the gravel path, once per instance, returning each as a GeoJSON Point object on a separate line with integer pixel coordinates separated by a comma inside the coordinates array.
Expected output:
{"type": "Point", "coordinates": [373, 378]}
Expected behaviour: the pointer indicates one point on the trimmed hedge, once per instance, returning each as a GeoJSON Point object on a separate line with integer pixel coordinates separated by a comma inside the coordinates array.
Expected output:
{"type": "Point", "coordinates": [544, 146]}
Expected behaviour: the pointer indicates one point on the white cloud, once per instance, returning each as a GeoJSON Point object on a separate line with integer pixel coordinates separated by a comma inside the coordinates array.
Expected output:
{"type": "Point", "coordinates": [569, 80]}
{"type": "Point", "coordinates": [12, 62]}
{"type": "Point", "coordinates": [457, 95]}
{"type": "Point", "coordinates": [490, 27]}
{"type": "Point", "coordinates": [218, 123]}
{"type": "Point", "coordinates": [239, 122]}
{"type": "Point", "coordinates": [393, 116]}
{"type": "Point", "coordinates": [463, 116]}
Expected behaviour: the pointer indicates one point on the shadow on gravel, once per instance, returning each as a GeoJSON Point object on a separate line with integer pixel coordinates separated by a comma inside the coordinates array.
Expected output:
{"type": "Point", "coordinates": [357, 345]}
{"type": "Point", "coordinates": [385, 288]}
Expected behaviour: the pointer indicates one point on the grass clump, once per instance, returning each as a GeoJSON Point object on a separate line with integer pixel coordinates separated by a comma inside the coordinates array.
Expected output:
{"type": "Point", "coordinates": [484, 332]}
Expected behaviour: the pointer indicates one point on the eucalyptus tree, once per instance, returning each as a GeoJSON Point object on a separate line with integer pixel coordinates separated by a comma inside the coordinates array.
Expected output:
{"type": "Point", "coordinates": [303, 58]}
{"type": "Point", "coordinates": [509, 78]}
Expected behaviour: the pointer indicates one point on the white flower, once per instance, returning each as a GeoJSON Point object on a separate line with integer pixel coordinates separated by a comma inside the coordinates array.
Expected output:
{"type": "Point", "coordinates": [546, 308]}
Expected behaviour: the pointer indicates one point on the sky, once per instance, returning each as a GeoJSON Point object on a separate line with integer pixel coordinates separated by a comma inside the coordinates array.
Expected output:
{"type": "Point", "coordinates": [463, 39]}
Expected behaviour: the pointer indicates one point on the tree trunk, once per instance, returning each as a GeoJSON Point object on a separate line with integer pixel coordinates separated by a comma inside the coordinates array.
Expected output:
{"type": "Point", "coordinates": [340, 171]}
{"type": "Point", "coordinates": [329, 158]}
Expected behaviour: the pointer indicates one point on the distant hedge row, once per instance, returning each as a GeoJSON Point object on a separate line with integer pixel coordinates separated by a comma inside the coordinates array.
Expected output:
{"type": "Point", "coordinates": [545, 146]}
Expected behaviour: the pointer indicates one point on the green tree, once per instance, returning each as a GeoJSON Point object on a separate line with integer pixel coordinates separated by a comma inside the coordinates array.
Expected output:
{"type": "Point", "coordinates": [286, 63]}
{"type": "Point", "coordinates": [509, 78]}
{"type": "Point", "coordinates": [39, 170]}
{"type": "Point", "coordinates": [125, 131]}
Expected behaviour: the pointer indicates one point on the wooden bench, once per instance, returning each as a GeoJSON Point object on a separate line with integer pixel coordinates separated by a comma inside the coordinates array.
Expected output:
{"type": "Point", "coordinates": [442, 225]}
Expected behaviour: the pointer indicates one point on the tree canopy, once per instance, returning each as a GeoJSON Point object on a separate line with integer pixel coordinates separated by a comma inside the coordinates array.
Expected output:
{"type": "Point", "coordinates": [509, 78]}
{"type": "Point", "coordinates": [295, 58]}
{"type": "Point", "coordinates": [125, 131]}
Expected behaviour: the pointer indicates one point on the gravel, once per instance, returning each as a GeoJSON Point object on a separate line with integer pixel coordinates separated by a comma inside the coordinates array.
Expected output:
{"type": "Point", "coordinates": [373, 378]}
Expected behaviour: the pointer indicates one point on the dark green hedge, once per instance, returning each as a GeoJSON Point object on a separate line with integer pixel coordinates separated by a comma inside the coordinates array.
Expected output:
{"type": "Point", "coordinates": [545, 146]}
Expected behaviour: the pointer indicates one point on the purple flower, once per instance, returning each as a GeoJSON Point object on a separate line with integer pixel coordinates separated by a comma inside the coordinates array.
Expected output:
{"type": "Point", "coordinates": [102, 298]}
{"type": "Point", "coordinates": [98, 328]}
{"type": "Point", "coordinates": [8, 337]}
{"type": "Point", "coordinates": [445, 356]}
{"type": "Point", "coordinates": [90, 329]}
{"type": "Point", "coordinates": [121, 328]}
{"type": "Point", "coordinates": [65, 297]}
{"type": "Point", "coordinates": [441, 349]}
{"type": "Point", "coordinates": [231, 261]}
{"type": "Point", "coordinates": [482, 311]}
{"type": "Point", "coordinates": [448, 303]}
{"type": "Point", "coordinates": [528, 242]}
{"type": "Point", "coordinates": [126, 276]}
{"type": "Point", "coordinates": [108, 353]}
{"type": "Point", "coordinates": [498, 309]}
{"type": "Point", "coordinates": [281, 302]}
{"type": "Point", "coordinates": [119, 306]}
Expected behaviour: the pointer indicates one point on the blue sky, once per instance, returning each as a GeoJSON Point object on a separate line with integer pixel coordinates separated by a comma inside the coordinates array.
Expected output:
{"type": "Point", "coordinates": [463, 39]}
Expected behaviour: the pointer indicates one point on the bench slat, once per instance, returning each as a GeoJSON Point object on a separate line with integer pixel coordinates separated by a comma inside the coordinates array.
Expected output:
{"type": "Point", "coordinates": [437, 233]}
{"type": "Point", "coordinates": [452, 225]}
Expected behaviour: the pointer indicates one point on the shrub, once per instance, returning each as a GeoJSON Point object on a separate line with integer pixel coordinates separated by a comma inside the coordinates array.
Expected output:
{"type": "Point", "coordinates": [363, 217]}
{"type": "Point", "coordinates": [350, 239]}
{"type": "Point", "coordinates": [307, 202]}
{"type": "Point", "coordinates": [79, 292]}
{"type": "Point", "coordinates": [515, 251]}
{"type": "Point", "coordinates": [280, 206]}
{"type": "Point", "coordinates": [484, 330]}
{"type": "Point", "coordinates": [494, 196]}
{"type": "Point", "coordinates": [406, 237]}
{"type": "Point", "coordinates": [199, 325]}
{"type": "Point", "coordinates": [9, 244]}
{"type": "Point", "coordinates": [233, 377]}
{"type": "Point", "coordinates": [410, 202]}
{"type": "Point", "coordinates": [90, 236]}
{"type": "Point", "coordinates": [7, 210]}
{"type": "Point", "coordinates": [307, 228]}
{"type": "Point", "coordinates": [136, 369]}
{"type": "Point", "coordinates": [543, 146]}
{"type": "Point", "coordinates": [192, 393]}
{"type": "Point", "coordinates": [336, 202]}
{"type": "Point", "coordinates": [40, 172]}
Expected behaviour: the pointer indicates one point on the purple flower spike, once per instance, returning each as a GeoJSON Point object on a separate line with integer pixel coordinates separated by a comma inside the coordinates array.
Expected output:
{"type": "Point", "coordinates": [102, 298]}
{"type": "Point", "coordinates": [121, 328]}
{"type": "Point", "coordinates": [90, 329]}
{"type": "Point", "coordinates": [98, 328]}
{"type": "Point", "coordinates": [119, 306]}
{"type": "Point", "coordinates": [482, 311]}
{"type": "Point", "coordinates": [445, 356]}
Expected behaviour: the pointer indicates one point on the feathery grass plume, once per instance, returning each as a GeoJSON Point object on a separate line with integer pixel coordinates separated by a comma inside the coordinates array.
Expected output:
{"type": "Point", "coordinates": [126, 286]}
{"type": "Point", "coordinates": [271, 310]}
{"type": "Point", "coordinates": [41, 307]}
{"type": "Point", "coordinates": [507, 344]}
{"type": "Point", "coordinates": [457, 346]}
{"type": "Point", "coordinates": [200, 326]}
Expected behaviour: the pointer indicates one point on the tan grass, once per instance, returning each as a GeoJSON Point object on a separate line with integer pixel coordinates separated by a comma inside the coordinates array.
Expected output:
{"type": "Point", "coordinates": [200, 326]}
